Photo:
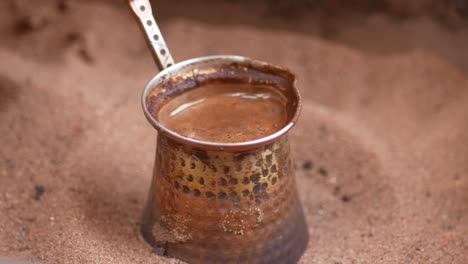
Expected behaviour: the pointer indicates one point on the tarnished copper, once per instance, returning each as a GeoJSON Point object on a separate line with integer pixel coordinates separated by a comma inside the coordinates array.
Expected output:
{"type": "Point", "coordinates": [223, 202]}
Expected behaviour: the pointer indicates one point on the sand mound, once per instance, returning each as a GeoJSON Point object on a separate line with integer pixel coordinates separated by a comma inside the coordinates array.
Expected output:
{"type": "Point", "coordinates": [380, 149]}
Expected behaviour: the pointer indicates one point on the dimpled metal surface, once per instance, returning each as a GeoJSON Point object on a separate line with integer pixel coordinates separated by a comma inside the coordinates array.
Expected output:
{"type": "Point", "coordinates": [225, 207]}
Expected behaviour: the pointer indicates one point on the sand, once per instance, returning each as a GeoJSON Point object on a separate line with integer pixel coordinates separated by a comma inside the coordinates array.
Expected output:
{"type": "Point", "coordinates": [381, 147]}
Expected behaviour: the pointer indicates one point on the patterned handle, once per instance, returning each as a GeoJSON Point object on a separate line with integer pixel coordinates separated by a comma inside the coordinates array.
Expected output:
{"type": "Point", "coordinates": [154, 38]}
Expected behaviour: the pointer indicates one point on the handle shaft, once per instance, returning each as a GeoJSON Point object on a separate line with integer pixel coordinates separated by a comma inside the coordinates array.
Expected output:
{"type": "Point", "coordinates": [154, 39]}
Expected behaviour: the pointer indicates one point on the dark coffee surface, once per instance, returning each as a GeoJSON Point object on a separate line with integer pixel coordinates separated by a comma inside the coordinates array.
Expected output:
{"type": "Point", "coordinates": [225, 113]}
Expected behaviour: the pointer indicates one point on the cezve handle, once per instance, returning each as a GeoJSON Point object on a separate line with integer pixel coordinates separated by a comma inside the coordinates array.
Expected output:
{"type": "Point", "coordinates": [144, 14]}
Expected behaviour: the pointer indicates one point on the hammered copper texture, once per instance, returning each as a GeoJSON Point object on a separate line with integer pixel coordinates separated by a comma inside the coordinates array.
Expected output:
{"type": "Point", "coordinates": [226, 207]}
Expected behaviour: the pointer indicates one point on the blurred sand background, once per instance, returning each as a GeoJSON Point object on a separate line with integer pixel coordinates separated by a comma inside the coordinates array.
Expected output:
{"type": "Point", "coordinates": [381, 148]}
